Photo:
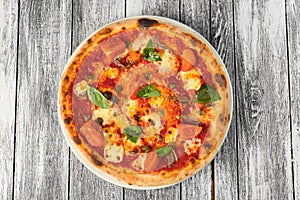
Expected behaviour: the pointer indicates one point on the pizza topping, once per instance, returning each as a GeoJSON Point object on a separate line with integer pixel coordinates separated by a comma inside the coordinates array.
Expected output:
{"type": "Point", "coordinates": [148, 91]}
{"type": "Point", "coordinates": [171, 157]}
{"type": "Point", "coordinates": [151, 161]}
{"type": "Point", "coordinates": [171, 135]}
{"type": "Point", "coordinates": [133, 133]}
{"type": "Point", "coordinates": [102, 115]}
{"type": "Point", "coordinates": [113, 153]}
{"type": "Point", "coordinates": [163, 151]}
{"type": "Point", "coordinates": [207, 94]}
{"type": "Point", "coordinates": [146, 149]}
{"type": "Point", "coordinates": [139, 163]}
{"type": "Point", "coordinates": [191, 79]}
{"type": "Point", "coordinates": [80, 88]}
{"type": "Point", "coordinates": [97, 97]}
{"type": "Point", "coordinates": [191, 146]}
{"type": "Point", "coordinates": [149, 53]}
{"type": "Point", "coordinates": [92, 133]}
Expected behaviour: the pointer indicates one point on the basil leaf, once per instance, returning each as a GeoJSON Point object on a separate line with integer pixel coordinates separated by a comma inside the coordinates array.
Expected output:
{"type": "Point", "coordinates": [148, 91]}
{"type": "Point", "coordinates": [133, 133]}
{"type": "Point", "coordinates": [207, 94]}
{"type": "Point", "coordinates": [97, 97]}
{"type": "Point", "coordinates": [149, 52]}
{"type": "Point", "coordinates": [163, 151]}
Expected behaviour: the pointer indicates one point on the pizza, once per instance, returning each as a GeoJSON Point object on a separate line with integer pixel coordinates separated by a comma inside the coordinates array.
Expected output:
{"type": "Point", "coordinates": [145, 101]}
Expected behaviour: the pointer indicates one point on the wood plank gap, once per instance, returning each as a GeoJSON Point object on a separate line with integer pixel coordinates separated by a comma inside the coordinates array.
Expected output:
{"type": "Point", "coordinates": [69, 159]}
{"type": "Point", "coordinates": [213, 168]}
{"type": "Point", "coordinates": [180, 18]}
{"type": "Point", "coordinates": [290, 101]}
{"type": "Point", "coordinates": [16, 100]}
{"type": "Point", "coordinates": [236, 104]}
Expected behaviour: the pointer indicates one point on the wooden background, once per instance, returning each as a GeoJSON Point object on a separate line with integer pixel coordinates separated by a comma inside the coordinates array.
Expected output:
{"type": "Point", "coordinates": [259, 42]}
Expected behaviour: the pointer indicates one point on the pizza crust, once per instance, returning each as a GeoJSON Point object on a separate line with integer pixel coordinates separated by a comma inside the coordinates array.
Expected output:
{"type": "Point", "coordinates": [219, 122]}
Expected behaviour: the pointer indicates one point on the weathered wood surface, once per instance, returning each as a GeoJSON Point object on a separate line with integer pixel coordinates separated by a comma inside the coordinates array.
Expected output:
{"type": "Point", "coordinates": [293, 30]}
{"type": "Point", "coordinates": [259, 42]}
{"type": "Point", "coordinates": [8, 65]}
{"type": "Point", "coordinates": [88, 16]}
{"type": "Point", "coordinates": [41, 161]}
{"type": "Point", "coordinates": [196, 14]}
{"type": "Point", "coordinates": [264, 145]}
{"type": "Point", "coordinates": [226, 171]}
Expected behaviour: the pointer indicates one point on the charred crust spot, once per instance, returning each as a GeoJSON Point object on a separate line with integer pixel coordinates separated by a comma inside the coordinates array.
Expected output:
{"type": "Point", "coordinates": [221, 80]}
{"type": "Point", "coordinates": [68, 120]}
{"type": "Point", "coordinates": [123, 28]}
{"type": "Point", "coordinates": [64, 107]}
{"type": "Point", "coordinates": [207, 146]}
{"type": "Point", "coordinates": [89, 41]}
{"type": "Point", "coordinates": [105, 31]}
{"type": "Point", "coordinates": [192, 161]}
{"type": "Point", "coordinates": [163, 173]}
{"type": "Point", "coordinates": [77, 140]}
{"type": "Point", "coordinates": [66, 78]}
{"type": "Point", "coordinates": [74, 62]}
{"type": "Point", "coordinates": [66, 94]}
{"type": "Point", "coordinates": [96, 161]}
{"type": "Point", "coordinates": [118, 158]}
{"type": "Point", "coordinates": [147, 22]}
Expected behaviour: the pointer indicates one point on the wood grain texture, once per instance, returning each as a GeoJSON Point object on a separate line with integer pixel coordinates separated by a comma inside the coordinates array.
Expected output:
{"type": "Point", "coordinates": [8, 65]}
{"type": "Point", "coordinates": [226, 160]}
{"type": "Point", "coordinates": [196, 14]}
{"type": "Point", "coordinates": [293, 28]}
{"type": "Point", "coordinates": [264, 146]}
{"type": "Point", "coordinates": [168, 9]}
{"type": "Point", "coordinates": [41, 168]}
{"type": "Point", "coordinates": [88, 16]}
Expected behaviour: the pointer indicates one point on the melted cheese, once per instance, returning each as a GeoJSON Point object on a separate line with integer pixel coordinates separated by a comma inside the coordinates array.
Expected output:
{"type": "Point", "coordinates": [168, 65]}
{"type": "Point", "coordinates": [105, 114]}
{"type": "Point", "coordinates": [113, 153]}
{"type": "Point", "coordinates": [191, 79]}
{"type": "Point", "coordinates": [191, 146]}
{"type": "Point", "coordinates": [112, 72]}
{"type": "Point", "coordinates": [121, 121]}
{"type": "Point", "coordinates": [139, 163]}
{"type": "Point", "coordinates": [171, 135]}
{"type": "Point", "coordinates": [80, 88]}
{"type": "Point", "coordinates": [156, 127]}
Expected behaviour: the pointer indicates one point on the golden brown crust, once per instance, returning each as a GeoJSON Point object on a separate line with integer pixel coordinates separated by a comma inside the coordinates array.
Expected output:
{"type": "Point", "coordinates": [219, 122]}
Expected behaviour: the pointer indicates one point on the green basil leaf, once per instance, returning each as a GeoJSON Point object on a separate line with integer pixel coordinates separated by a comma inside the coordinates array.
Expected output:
{"type": "Point", "coordinates": [149, 52]}
{"type": "Point", "coordinates": [133, 133]}
{"type": "Point", "coordinates": [97, 97]}
{"type": "Point", "coordinates": [148, 91]}
{"type": "Point", "coordinates": [163, 151]}
{"type": "Point", "coordinates": [207, 94]}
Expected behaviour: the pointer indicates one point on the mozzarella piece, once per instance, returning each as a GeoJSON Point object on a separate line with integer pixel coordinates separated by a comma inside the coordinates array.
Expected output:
{"type": "Point", "coordinates": [156, 102]}
{"type": "Point", "coordinates": [80, 88]}
{"type": "Point", "coordinates": [122, 121]}
{"type": "Point", "coordinates": [171, 135]}
{"type": "Point", "coordinates": [191, 79]}
{"type": "Point", "coordinates": [105, 114]}
{"type": "Point", "coordinates": [139, 163]}
{"type": "Point", "coordinates": [113, 153]}
{"type": "Point", "coordinates": [191, 146]}
{"type": "Point", "coordinates": [156, 127]}
{"type": "Point", "coordinates": [140, 42]}
{"type": "Point", "coordinates": [168, 65]}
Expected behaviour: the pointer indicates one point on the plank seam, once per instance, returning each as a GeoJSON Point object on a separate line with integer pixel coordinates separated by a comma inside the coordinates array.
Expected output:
{"type": "Point", "coordinates": [289, 89]}
{"type": "Point", "coordinates": [69, 160]}
{"type": "Point", "coordinates": [16, 100]}
{"type": "Point", "coordinates": [236, 103]}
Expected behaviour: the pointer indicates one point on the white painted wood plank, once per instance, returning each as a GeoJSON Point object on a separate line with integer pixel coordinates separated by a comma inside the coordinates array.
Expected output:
{"type": "Point", "coordinates": [8, 63]}
{"type": "Point", "coordinates": [168, 9]}
{"type": "Point", "coordinates": [41, 169]}
{"type": "Point", "coordinates": [88, 16]}
{"type": "Point", "coordinates": [226, 159]}
{"type": "Point", "coordinates": [196, 14]}
{"type": "Point", "coordinates": [293, 16]}
{"type": "Point", "coordinates": [134, 7]}
{"type": "Point", "coordinates": [264, 146]}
